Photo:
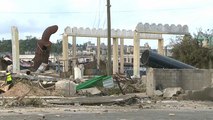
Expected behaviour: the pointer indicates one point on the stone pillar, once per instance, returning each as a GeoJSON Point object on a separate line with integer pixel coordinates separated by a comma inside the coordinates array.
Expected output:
{"type": "Point", "coordinates": [65, 52]}
{"type": "Point", "coordinates": [15, 50]}
{"type": "Point", "coordinates": [121, 55]}
{"type": "Point", "coordinates": [115, 55]}
{"type": "Point", "coordinates": [74, 51]}
{"type": "Point", "coordinates": [150, 82]}
{"type": "Point", "coordinates": [98, 52]}
{"type": "Point", "coordinates": [160, 46]}
{"type": "Point", "coordinates": [136, 56]}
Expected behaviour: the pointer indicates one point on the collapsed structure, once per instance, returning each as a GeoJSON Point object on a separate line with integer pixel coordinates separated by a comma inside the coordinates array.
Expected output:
{"type": "Point", "coordinates": [143, 31]}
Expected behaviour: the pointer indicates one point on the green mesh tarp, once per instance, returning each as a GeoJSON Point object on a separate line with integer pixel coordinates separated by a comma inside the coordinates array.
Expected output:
{"type": "Point", "coordinates": [96, 81]}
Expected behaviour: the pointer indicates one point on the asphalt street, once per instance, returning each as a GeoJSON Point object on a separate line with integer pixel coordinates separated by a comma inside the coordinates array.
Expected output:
{"type": "Point", "coordinates": [141, 114]}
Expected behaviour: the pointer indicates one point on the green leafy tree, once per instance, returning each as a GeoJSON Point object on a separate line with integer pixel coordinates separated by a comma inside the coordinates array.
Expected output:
{"type": "Point", "coordinates": [189, 50]}
{"type": "Point", "coordinates": [56, 47]}
{"type": "Point", "coordinates": [6, 46]}
{"type": "Point", "coordinates": [28, 45]}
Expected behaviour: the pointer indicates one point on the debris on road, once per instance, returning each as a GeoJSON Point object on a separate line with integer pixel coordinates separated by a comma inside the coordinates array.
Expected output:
{"type": "Point", "coordinates": [101, 100]}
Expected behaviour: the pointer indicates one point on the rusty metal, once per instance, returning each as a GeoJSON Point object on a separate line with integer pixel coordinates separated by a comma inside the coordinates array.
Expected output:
{"type": "Point", "coordinates": [43, 47]}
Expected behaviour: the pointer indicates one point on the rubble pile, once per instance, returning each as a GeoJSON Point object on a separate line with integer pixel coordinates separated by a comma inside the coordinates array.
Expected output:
{"type": "Point", "coordinates": [128, 85]}
{"type": "Point", "coordinates": [22, 87]}
{"type": "Point", "coordinates": [4, 63]}
{"type": "Point", "coordinates": [101, 86]}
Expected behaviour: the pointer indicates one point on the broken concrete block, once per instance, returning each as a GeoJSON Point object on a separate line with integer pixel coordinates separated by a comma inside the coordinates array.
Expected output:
{"type": "Point", "coordinates": [204, 94]}
{"type": "Point", "coordinates": [158, 93]}
{"type": "Point", "coordinates": [42, 68]}
{"type": "Point", "coordinates": [65, 87]}
{"type": "Point", "coordinates": [92, 91]}
{"type": "Point", "coordinates": [170, 92]}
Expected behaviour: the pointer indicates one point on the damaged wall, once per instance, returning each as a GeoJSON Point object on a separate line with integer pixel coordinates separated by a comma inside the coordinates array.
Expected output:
{"type": "Point", "coordinates": [188, 79]}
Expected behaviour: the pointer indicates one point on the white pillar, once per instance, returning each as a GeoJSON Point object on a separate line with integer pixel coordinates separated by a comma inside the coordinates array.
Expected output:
{"type": "Point", "coordinates": [122, 55]}
{"type": "Point", "coordinates": [98, 52]}
{"type": "Point", "coordinates": [150, 82]}
{"type": "Point", "coordinates": [115, 55]}
{"type": "Point", "coordinates": [15, 50]}
{"type": "Point", "coordinates": [136, 56]}
{"type": "Point", "coordinates": [74, 50]}
{"type": "Point", "coordinates": [160, 46]}
{"type": "Point", "coordinates": [65, 52]}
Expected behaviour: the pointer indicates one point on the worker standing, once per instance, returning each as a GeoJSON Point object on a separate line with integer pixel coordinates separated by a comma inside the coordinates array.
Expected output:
{"type": "Point", "coordinates": [9, 79]}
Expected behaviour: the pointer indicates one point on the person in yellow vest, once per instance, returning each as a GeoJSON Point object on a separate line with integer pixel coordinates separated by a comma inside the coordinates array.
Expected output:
{"type": "Point", "coordinates": [9, 79]}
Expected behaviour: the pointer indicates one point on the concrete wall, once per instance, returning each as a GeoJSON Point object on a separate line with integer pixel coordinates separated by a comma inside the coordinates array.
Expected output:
{"type": "Point", "coordinates": [188, 79]}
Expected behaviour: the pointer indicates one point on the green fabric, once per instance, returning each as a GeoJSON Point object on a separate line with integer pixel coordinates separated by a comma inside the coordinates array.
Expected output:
{"type": "Point", "coordinates": [96, 81]}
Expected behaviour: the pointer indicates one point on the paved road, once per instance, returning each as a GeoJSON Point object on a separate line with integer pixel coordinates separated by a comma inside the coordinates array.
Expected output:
{"type": "Point", "coordinates": [142, 114]}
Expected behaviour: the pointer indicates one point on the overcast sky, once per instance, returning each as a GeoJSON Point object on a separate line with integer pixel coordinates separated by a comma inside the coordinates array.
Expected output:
{"type": "Point", "coordinates": [33, 16]}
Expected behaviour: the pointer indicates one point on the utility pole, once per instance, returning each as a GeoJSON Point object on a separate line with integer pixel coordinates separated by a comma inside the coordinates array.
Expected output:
{"type": "Point", "coordinates": [109, 66]}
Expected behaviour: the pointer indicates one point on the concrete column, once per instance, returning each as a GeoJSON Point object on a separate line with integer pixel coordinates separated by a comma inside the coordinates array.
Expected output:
{"type": "Point", "coordinates": [98, 52]}
{"type": "Point", "coordinates": [160, 46]}
{"type": "Point", "coordinates": [115, 55]}
{"type": "Point", "coordinates": [65, 52]}
{"type": "Point", "coordinates": [136, 56]}
{"type": "Point", "coordinates": [150, 82]}
{"type": "Point", "coordinates": [122, 55]}
{"type": "Point", "coordinates": [15, 50]}
{"type": "Point", "coordinates": [74, 50]}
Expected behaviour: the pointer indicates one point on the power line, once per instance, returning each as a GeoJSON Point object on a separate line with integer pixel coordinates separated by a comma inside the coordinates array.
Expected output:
{"type": "Point", "coordinates": [74, 12]}
{"type": "Point", "coordinates": [99, 11]}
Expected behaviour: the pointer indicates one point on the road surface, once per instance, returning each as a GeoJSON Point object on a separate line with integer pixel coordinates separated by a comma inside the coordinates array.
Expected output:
{"type": "Point", "coordinates": [104, 113]}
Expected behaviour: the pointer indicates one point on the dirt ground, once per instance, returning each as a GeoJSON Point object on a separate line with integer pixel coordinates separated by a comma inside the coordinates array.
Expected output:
{"type": "Point", "coordinates": [23, 88]}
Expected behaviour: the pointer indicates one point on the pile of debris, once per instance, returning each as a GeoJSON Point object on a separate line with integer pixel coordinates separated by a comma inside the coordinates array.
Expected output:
{"type": "Point", "coordinates": [39, 85]}
{"type": "Point", "coordinates": [27, 88]}
{"type": "Point", "coordinates": [116, 89]}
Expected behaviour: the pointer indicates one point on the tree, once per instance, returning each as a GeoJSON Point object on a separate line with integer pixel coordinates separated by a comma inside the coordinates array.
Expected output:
{"type": "Point", "coordinates": [6, 46]}
{"type": "Point", "coordinates": [28, 45]}
{"type": "Point", "coordinates": [189, 50]}
{"type": "Point", "coordinates": [56, 47]}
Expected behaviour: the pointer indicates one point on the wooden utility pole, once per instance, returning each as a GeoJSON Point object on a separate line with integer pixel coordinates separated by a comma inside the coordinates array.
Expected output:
{"type": "Point", "coordinates": [109, 66]}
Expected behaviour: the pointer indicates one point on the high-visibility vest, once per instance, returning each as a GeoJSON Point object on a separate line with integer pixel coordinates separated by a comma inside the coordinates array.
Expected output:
{"type": "Point", "coordinates": [9, 77]}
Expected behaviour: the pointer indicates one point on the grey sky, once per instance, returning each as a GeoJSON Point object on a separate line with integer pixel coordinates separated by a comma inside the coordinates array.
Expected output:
{"type": "Point", "coordinates": [33, 16]}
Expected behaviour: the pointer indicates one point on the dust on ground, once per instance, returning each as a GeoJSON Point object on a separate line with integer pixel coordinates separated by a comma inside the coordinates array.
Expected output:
{"type": "Point", "coordinates": [22, 87]}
